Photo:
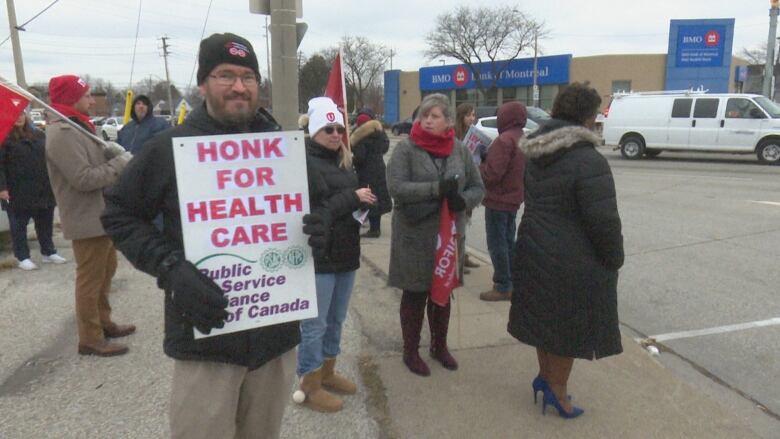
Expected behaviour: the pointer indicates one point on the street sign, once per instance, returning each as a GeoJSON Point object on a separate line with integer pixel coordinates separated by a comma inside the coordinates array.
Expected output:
{"type": "Point", "coordinates": [263, 7]}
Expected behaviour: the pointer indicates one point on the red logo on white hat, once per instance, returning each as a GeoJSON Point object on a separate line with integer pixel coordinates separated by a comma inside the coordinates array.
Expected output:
{"type": "Point", "coordinates": [331, 117]}
{"type": "Point", "coordinates": [237, 49]}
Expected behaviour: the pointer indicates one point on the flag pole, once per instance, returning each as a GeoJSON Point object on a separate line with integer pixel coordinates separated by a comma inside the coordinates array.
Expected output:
{"type": "Point", "coordinates": [15, 88]}
{"type": "Point", "coordinates": [344, 95]}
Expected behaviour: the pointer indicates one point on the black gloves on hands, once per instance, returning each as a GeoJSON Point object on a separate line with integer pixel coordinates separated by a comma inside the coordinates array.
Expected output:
{"type": "Point", "coordinates": [448, 185]}
{"type": "Point", "coordinates": [456, 202]}
{"type": "Point", "coordinates": [317, 227]}
{"type": "Point", "coordinates": [195, 295]}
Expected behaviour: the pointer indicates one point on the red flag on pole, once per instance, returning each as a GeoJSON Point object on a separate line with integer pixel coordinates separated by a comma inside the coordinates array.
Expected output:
{"type": "Point", "coordinates": [445, 267]}
{"type": "Point", "coordinates": [11, 106]}
{"type": "Point", "coordinates": [337, 91]}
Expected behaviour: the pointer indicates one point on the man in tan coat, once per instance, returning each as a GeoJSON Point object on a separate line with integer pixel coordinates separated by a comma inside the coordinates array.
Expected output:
{"type": "Point", "coordinates": [80, 167]}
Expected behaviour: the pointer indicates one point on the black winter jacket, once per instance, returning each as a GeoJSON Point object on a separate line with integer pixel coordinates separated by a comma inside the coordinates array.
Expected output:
{"type": "Point", "coordinates": [332, 195]}
{"type": "Point", "coordinates": [23, 172]}
{"type": "Point", "coordinates": [569, 247]}
{"type": "Point", "coordinates": [369, 143]}
{"type": "Point", "coordinates": [146, 188]}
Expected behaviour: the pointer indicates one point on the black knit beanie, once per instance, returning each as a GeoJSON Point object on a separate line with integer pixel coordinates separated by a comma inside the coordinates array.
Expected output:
{"type": "Point", "coordinates": [225, 48]}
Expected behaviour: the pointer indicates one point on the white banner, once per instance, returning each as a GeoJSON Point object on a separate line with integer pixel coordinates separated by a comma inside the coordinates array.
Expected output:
{"type": "Point", "coordinates": [242, 197]}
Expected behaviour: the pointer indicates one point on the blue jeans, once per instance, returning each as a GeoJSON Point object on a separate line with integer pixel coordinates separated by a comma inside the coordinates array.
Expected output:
{"type": "Point", "coordinates": [321, 336]}
{"type": "Point", "coordinates": [17, 223]}
{"type": "Point", "coordinates": [501, 227]}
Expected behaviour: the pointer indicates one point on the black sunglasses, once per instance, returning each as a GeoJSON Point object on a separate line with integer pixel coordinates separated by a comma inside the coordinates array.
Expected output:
{"type": "Point", "coordinates": [329, 130]}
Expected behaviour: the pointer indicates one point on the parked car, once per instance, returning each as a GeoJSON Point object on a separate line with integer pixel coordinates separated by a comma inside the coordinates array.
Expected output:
{"type": "Point", "coordinates": [109, 127]}
{"type": "Point", "coordinates": [403, 127]}
{"type": "Point", "coordinates": [38, 120]}
{"type": "Point", "coordinates": [489, 126]}
{"type": "Point", "coordinates": [536, 114]}
{"type": "Point", "coordinates": [644, 124]}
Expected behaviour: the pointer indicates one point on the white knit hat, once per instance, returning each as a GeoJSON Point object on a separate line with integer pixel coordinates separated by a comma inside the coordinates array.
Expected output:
{"type": "Point", "coordinates": [323, 112]}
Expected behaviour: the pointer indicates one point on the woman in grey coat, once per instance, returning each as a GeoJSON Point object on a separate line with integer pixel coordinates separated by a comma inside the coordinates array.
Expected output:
{"type": "Point", "coordinates": [422, 171]}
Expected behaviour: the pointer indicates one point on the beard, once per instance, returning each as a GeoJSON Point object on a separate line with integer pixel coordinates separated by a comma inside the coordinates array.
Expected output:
{"type": "Point", "coordinates": [239, 118]}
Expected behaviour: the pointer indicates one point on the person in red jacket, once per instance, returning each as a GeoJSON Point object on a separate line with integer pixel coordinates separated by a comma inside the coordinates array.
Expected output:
{"type": "Point", "coordinates": [502, 172]}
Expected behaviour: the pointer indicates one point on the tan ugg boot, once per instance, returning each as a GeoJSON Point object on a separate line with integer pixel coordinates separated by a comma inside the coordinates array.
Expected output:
{"type": "Point", "coordinates": [335, 382]}
{"type": "Point", "coordinates": [317, 398]}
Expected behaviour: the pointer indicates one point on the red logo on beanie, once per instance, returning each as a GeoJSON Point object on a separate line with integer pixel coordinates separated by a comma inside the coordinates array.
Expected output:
{"type": "Point", "coordinates": [331, 117]}
{"type": "Point", "coordinates": [237, 49]}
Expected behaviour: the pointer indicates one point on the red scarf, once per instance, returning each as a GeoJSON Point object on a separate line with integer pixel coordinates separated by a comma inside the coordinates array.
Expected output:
{"type": "Point", "coordinates": [438, 145]}
{"type": "Point", "coordinates": [69, 112]}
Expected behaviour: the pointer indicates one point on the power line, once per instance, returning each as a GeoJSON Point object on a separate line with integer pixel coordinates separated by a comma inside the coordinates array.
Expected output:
{"type": "Point", "coordinates": [21, 26]}
{"type": "Point", "coordinates": [135, 44]}
{"type": "Point", "coordinates": [202, 32]}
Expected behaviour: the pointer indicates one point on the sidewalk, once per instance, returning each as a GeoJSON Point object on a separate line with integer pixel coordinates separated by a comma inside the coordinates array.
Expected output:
{"type": "Point", "coordinates": [626, 396]}
{"type": "Point", "coordinates": [47, 390]}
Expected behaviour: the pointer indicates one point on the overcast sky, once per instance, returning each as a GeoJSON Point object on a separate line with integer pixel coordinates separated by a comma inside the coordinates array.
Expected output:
{"type": "Point", "coordinates": [96, 37]}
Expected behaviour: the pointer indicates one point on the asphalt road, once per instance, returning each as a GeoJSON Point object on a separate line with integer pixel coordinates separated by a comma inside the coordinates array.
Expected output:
{"type": "Point", "coordinates": [702, 240]}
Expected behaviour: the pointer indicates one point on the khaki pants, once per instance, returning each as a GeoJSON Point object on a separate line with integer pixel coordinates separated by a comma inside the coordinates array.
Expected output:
{"type": "Point", "coordinates": [217, 400]}
{"type": "Point", "coordinates": [95, 266]}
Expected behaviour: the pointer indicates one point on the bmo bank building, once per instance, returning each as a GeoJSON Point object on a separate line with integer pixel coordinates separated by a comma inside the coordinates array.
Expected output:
{"type": "Point", "coordinates": [698, 56]}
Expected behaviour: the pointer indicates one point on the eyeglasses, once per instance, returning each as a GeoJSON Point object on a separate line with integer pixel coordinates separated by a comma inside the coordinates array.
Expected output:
{"type": "Point", "coordinates": [227, 79]}
{"type": "Point", "coordinates": [329, 130]}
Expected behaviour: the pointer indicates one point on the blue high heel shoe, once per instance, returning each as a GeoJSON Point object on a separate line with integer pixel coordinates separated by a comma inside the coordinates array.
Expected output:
{"type": "Point", "coordinates": [538, 385]}
{"type": "Point", "coordinates": [550, 398]}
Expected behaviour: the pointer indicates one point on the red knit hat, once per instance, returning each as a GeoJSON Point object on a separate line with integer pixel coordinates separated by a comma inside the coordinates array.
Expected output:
{"type": "Point", "coordinates": [363, 118]}
{"type": "Point", "coordinates": [66, 89]}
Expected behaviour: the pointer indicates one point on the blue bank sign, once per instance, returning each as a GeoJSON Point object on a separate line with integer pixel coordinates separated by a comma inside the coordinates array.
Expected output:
{"type": "Point", "coordinates": [700, 46]}
{"type": "Point", "coordinates": [700, 54]}
{"type": "Point", "coordinates": [518, 73]}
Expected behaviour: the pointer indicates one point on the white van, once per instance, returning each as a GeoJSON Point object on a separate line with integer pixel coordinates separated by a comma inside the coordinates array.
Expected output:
{"type": "Point", "coordinates": [644, 124]}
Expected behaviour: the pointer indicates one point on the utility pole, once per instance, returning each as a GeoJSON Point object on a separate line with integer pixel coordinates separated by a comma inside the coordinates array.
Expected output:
{"type": "Point", "coordinates": [268, 60]}
{"type": "Point", "coordinates": [284, 76]}
{"type": "Point", "coordinates": [17, 49]}
{"type": "Point", "coordinates": [535, 89]}
{"type": "Point", "coordinates": [167, 75]}
{"type": "Point", "coordinates": [392, 54]}
{"type": "Point", "coordinates": [770, 49]}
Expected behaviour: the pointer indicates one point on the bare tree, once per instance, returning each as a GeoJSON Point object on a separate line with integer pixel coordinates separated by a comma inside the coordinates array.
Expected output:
{"type": "Point", "coordinates": [364, 65]}
{"type": "Point", "coordinates": [755, 55]}
{"type": "Point", "coordinates": [483, 35]}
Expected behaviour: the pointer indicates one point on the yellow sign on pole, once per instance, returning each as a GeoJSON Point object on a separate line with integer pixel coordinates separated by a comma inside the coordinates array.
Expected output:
{"type": "Point", "coordinates": [128, 106]}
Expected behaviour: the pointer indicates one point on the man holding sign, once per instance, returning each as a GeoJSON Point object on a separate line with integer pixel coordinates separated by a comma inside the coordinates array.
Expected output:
{"type": "Point", "coordinates": [235, 384]}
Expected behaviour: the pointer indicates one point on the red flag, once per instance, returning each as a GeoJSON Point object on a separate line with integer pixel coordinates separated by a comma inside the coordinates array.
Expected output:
{"type": "Point", "coordinates": [11, 106]}
{"type": "Point", "coordinates": [445, 268]}
{"type": "Point", "coordinates": [338, 92]}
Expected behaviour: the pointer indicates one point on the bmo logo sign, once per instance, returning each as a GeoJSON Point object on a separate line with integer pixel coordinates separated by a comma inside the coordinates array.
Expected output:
{"type": "Point", "coordinates": [711, 38]}
{"type": "Point", "coordinates": [460, 76]}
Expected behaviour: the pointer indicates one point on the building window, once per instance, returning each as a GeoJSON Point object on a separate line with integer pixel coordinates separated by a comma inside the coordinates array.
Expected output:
{"type": "Point", "coordinates": [508, 94]}
{"type": "Point", "coordinates": [463, 95]}
{"type": "Point", "coordinates": [547, 94]}
{"type": "Point", "coordinates": [621, 86]}
{"type": "Point", "coordinates": [490, 98]}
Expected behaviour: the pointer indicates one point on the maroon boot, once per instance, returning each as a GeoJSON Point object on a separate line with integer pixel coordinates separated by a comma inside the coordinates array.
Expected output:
{"type": "Point", "coordinates": [439, 322]}
{"type": "Point", "coordinates": [412, 315]}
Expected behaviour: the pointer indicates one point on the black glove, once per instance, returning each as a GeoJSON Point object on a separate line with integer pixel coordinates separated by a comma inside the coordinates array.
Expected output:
{"type": "Point", "coordinates": [447, 186]}
{"type": "Point", "coordinates": [195, 295]}
{"type": "Point", "coordinates": [456, 202]}
{"type": "Point", "coordinates": [316, 226]}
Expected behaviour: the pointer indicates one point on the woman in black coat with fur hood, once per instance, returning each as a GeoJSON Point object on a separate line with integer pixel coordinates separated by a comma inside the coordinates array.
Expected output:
{"type": "Point", "coordinates": [569, 248]}
{"type": "Point", "coordinates": [369, 143]}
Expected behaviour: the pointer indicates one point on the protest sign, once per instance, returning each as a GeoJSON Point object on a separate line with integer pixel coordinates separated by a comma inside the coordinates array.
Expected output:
{"type": "Point", "coordinates": [476, 141]}
{"type": "Point", "coordinates": [242, 197]}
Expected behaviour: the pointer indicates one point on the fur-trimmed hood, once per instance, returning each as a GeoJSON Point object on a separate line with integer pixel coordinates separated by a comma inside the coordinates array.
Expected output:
{"type": "Point", "coordinates": [365, 130]}
{"type": "Point", "coordinates": [554, 136]}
